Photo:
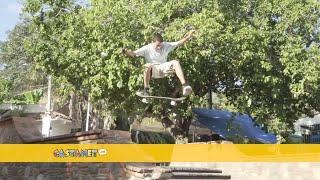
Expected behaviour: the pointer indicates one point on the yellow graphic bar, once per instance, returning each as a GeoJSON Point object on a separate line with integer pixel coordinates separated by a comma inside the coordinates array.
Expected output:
{"type": "Point", "coordinates": [159, 153]}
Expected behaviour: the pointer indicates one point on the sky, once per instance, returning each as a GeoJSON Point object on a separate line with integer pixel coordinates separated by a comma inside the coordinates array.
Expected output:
{"type": "Point", "coordinates": [9, 16]}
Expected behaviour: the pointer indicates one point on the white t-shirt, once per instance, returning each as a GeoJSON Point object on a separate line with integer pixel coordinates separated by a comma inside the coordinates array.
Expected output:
{"type": "Point", "coordinates": [156, 56]}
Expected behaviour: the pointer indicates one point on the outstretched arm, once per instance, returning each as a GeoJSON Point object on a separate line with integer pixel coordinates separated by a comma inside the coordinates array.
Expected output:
{"type": "Point", "coordinates": [128, 52]}
{"type": "Point", "coordinates": [138, 52]}
{"type": "Point", "coordinates": [185, 39]}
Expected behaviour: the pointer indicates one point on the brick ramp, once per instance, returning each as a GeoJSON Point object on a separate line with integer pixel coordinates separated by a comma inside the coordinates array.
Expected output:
{"type": "Point", "coordinates": [168, 172]}
{"type": "Point", "coordinates": [26, 128]}
{"type": "Point", "coordinates": [18, 130]}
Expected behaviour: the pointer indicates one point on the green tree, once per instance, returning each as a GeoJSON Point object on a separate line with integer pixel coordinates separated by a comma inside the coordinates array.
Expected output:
{"type": "Point", "coordinates": [5, 87]}
{"type": "Point", "coordinates": [262, 55]}
{"type": "Point", "coordinates": [18, 66]}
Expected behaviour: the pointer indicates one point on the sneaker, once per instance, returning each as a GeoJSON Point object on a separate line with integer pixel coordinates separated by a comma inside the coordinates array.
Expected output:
{"type": "Point", "coordinates": [186, 90]}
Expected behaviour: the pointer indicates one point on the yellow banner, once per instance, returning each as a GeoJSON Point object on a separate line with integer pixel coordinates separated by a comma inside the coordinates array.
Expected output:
{"type": "Point", "coordinates": [159, 153]}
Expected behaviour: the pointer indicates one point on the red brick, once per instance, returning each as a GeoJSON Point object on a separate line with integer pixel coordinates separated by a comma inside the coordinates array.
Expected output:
{"type": "Point", "coordinates": [104, 170]}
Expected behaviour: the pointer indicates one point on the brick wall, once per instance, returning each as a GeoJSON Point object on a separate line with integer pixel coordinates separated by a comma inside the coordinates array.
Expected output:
{"type": "Point", "coordinates": [61, 171]}
{"type": "Point", "coordinates": [21, 130]}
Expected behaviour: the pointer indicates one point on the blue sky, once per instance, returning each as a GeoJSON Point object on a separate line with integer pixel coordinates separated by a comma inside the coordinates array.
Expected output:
{"type": "Point", "coordinates": [9, 16]}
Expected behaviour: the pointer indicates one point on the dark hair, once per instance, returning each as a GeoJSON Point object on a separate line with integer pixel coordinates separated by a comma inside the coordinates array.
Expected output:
{"type": "Point", "coordinates": [157, 37]}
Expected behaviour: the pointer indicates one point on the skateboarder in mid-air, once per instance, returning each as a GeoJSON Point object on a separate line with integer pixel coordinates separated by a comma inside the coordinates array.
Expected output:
{"type": "Point", "coordinates": [157, 66]}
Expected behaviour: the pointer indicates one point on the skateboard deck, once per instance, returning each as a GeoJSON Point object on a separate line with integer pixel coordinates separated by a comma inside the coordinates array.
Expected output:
{"type": "Point", "coordinates": [173, 100]}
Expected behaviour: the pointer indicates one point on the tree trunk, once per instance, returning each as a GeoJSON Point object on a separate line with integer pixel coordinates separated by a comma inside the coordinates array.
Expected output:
{"type": "Point", "coordinates": [73, 109]}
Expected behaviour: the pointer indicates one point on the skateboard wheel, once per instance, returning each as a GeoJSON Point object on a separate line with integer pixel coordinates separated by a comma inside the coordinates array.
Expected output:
{"type": "Point", "coordinates": [173, 103]}
{"type": "Point", "coordinates": [144, 100]}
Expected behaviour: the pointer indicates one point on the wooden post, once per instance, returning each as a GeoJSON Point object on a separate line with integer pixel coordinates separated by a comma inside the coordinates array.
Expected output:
{"type": "Point", "coordinates": [210, 98]}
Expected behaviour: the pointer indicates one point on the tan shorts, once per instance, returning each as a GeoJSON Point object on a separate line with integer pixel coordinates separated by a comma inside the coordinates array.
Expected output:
{"type": "Point", "coordinates": [162, 70]}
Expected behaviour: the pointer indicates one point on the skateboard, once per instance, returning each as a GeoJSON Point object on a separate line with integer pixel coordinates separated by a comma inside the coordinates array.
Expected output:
{"type": "Point", "coordinates": [173, 101]}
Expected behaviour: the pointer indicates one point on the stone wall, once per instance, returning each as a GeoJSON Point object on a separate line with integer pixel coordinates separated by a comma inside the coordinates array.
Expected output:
{"type": "Point", "coordinates": [103, 171]}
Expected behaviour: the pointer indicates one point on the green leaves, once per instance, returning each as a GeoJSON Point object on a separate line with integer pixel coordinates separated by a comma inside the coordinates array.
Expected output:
{"type": "Point", "coordinates": [5, 87]}
{"type": "Point", "coordinates": [262, 56]}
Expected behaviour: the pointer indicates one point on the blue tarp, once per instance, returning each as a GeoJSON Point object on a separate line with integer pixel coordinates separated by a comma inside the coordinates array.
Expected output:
{"type": "Point", "coordinates": [228, 124]}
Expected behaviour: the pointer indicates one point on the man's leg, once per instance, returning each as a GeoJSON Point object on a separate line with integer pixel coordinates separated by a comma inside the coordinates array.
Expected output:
{"type": "Point", "coordinates": [146, 79]}
{"type": "Point", "coordinates": [178, 70]}
{"type": "Point", "coordinates": [147, 76]}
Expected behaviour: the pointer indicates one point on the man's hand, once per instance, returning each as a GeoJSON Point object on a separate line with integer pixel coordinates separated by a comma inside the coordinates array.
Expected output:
{"type": "Point", "coordinates": [124, 50]}
{"type": "Point", "coordinates": [187, 37]}
{"type": "Point", "coordinates": [190, 33]}
{"type": "Point", "coordinates": [128, 52]}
